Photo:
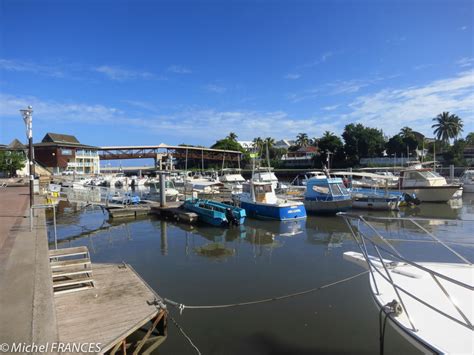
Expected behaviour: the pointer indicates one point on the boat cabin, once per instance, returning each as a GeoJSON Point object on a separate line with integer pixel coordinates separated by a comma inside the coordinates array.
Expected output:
{"type": "Point", "coordinates": [421, 177]}
{"type": "Point", "coordinates": [261, 192]}
{"type": "Point", "coordinates": [328, 189]}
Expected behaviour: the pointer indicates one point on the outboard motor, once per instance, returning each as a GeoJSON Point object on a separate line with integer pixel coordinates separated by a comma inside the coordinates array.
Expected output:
{"type": "Point", "coordinates": [411, 199]}
{"type": "Point", "coordinates": [230, 217]}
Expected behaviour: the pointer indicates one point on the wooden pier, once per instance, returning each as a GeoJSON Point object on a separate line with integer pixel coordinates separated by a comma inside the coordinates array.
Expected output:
{"type": "Point", "coordinates": [175, 212]}
{"type": "Point", "coordinates": [119, 305]}
{"type": "Point", "coordinates": [132, 211]}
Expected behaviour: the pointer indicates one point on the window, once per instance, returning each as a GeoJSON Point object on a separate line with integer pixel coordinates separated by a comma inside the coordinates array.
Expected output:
{"type": "Point", "coordinates": [246, 188]}
{"type": "Point", "coordinates": [66, 151]}
{"type": "Point", "coordinates": [321, 189]}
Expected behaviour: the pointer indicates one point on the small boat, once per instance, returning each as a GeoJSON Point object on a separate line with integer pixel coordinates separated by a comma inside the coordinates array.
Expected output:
{"type": "Point", "coordinates": [260, 201]}
{"type": "Point", "coordinates": [375, 201]}
{"type": "Point", "coordinates": [467, 181]}
{"type": "Point", "coordinates": [232, 180]}
{"type": "Point", "coordinates": [428, 302]}
{"type": "Point", "coordinates": [428, 186]}
{"type": "Point", "coordinates": [124, 198]}
{"type": "Point", "coordinates": [327, 195]}
{"type": "Point", "coordinates": [215, 213]}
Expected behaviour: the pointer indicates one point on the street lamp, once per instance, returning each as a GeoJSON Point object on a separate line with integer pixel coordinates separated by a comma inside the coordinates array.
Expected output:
{"type": "Point", "coordinates": [28, 119]}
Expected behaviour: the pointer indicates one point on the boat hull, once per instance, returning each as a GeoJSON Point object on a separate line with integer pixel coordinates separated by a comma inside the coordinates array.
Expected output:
{"type": "Point", "coordinates": [327, 207]}
{"type": "Point", "coordinates": [434, 193]}
{"type": "Point", "coordinates": [376, 203]}
{"type": "Point", "coordinates": [216, 216]}
{"type": "Point", "coordinates": [468, 188]}
{"type": "Point", "coordinates": [275, 212]}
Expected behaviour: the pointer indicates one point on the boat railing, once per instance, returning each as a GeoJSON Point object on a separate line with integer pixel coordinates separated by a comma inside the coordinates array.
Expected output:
{"type": "Point", "coordinates": [378, 264]}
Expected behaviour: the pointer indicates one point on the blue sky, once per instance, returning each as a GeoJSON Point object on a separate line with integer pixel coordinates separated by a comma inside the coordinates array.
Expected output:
{"type": "Point", "coordinates": [146, 72]}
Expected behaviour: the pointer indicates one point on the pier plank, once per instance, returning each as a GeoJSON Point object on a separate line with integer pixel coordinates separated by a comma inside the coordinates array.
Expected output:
{"type": "Point", "coordinates": [116, 307]}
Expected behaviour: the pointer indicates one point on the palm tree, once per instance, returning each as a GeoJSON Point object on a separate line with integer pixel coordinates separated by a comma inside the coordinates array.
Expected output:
{"type": "Point", "coordinates": [232, 136]}
{"type": "Point", "coordinates": [406, 132]}
{"type": "Point", "coordinates": [257, 142]}
{"type": "Point", "coordinates": [269, 141]}
{"type": "Point", "coordinates": [328, 134]}
{"type": "Point", "coordinates": [457, 126]}
{"type": "Point", "coordinates": [447, 126]}
{"type": "Point", "coordinates": [302, 140]}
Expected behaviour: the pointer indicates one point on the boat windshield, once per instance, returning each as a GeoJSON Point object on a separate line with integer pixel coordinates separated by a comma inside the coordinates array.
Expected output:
{"type": "Point", "coordinates": [261, 189]}
{"type": "Point", "coordinates": [321, 189]}
{"type": "Point", "coordinates": [338, 190]}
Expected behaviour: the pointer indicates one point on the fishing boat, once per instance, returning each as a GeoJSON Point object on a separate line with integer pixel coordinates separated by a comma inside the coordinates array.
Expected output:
{"type": "Point", "coordinates": [215, 213]}
{"type": "Point", "coordinates": [326, 195]}
{"type": "Point", "coordinates": [171, 193]}
{"type": "Point", "coordinates": [260, 201]}
{"type": "Point", "coordinates": [467, 181]}
{"type": "Point", "coordinates": [232, 180]}
{"type": "Point", "coordinates": [428, 302]}
{"type": "Point", "coordinates": [428, 186]}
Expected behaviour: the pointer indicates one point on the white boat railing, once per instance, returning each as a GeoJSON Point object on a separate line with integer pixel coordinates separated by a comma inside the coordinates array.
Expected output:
{"type": "Point", "coordinates": [375, 262]}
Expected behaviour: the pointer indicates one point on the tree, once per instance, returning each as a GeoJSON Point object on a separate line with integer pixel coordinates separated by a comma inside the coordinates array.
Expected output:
{"type": "Point", "coordinates": [395, 145]}
{"type": "Point", "coordinates": [406, 132]}
{"type": "Point", "coordinates": [448, 126]}
{"type": "Point", "coordinates": [302, 140]}
{"type": "Point", "coordinates": [455, 153]}
{"type": "Point", "coordinates": [332, 144]}
{"type": "Point", "coordinates": [269, 141]}
{"type": "Point", "coordinates": [470, 138]}
{"type": "Point", "coordinates": [10, 162]}
{"type": "Point", "coordinates": [361, 141]}
{"type": "Point", "coordinates": [232, 136]}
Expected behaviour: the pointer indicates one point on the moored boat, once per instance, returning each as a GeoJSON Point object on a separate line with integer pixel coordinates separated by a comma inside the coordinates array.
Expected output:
{"type": "Point", "coordinates": [467, 181]}
{"type": "Point", "coordinates": [260, 201]}
{"type": "Point", "coordinates": [326, 195]}
{"type": "Point", "coordinates": [215, 213]}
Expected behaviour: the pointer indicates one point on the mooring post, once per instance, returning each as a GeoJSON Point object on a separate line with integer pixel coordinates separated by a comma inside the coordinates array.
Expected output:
{"type": "Point", "coordinates": [451, 173]}
{"type": "Point", "coordinates": [162, 189]}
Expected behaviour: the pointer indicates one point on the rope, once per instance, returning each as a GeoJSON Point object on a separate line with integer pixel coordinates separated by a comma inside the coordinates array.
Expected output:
{"type": "Point", "coordinates": [184, 334]}
{"type": "Point", "coordinates": [181, 306]}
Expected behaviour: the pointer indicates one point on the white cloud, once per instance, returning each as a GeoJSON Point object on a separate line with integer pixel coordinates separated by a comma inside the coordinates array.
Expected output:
{"type": "Point", "coordinates": [465, 62]}
{"type": "Point", "coordinates": [463, 28]}
{"type": "Point", "coordinates": [292, 76]}
{"type": "Point", "coordinates": [215, 88]}
{"type": "Point", "coordinates": [322, 58]}
{"type": "Point", "coordinates": [178, 69]}
{"type": "Point", "coordinates": [330, 108]}
{"type": "Point", "coordinates": [121, 74]}
{"type": "Point", "coordinates": [391, 109]}
{"type": "Point", "coordinates": [29, 67]}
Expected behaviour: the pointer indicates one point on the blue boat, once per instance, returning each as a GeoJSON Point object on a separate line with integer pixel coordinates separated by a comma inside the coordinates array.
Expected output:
{"type": "Point", "coordinates": [327, 195]}
{"type": "Point", "coordinates": [260, 201]}
{"type": "Point", "coordinates": [215, 213]}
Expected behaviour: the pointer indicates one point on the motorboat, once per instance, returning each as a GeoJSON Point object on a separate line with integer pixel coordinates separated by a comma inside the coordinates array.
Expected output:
{"type": "Point", "coordinates": [215, 213]}
{"type": "Point", "coordinates": [171, 193]}
{"type": "Point", "coordinates": [428, 302]}
{"type": "Point", "coordinates": [428, 186]}
{"type": "Point", "coordinates": [232, 180]}
{"type": "Point", "coordinates": [467, 181]}
{"type": "Point", "coordinates": [326, 195]}
{"type": "Point", "coordinates": [135, 181]}
{"type": "Point", "coordinates": [266, 175]}
{"type": "Point", "coordinates": [260, 201]}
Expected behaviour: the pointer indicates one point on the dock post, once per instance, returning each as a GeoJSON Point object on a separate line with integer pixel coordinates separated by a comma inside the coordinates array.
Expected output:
{"type": "Point", "coordinates": [451, 173]}
{"type": "Point", "coordinates": [162, 189]}
{"type": "Point", "coordinates": [164, 237]}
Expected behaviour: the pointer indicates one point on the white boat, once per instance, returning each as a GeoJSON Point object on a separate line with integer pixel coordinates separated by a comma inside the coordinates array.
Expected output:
{"type": "Point", "coordinates": [135, 181]}
{"type": "Point", "coordinates": [428, 186]}
{"type": "Point", "coordinates": [429, 303]}
{"type": "Point", "coordinates": [467, 181]}
{"type": "Point", "coordinates": [118, 180]}
{"type": "Point", "coordinates": [171, 193]}
{"type": "Point", "coordinates": [232, 181]}
{"type": "Point", "coordinates": [266, 175]}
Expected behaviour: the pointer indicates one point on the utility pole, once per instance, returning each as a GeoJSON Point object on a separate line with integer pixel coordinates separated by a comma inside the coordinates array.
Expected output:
{"type": "Point", "coordinates": [28, 119]}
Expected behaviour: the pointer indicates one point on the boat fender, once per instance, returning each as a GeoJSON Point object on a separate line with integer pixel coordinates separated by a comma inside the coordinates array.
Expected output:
{"type": "Point", "coordinates": [394, 308]}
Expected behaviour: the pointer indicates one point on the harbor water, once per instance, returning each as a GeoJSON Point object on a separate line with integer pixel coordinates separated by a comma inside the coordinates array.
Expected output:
{"type": "Point", "coordinates": [204, 265]}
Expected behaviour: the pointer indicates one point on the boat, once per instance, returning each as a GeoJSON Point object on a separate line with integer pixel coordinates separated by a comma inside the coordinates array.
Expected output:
{"type": "Point", "coordinates": [126, 198]}
{"type": "Point", "coordinates": [260, 201]}
{"type": "Point", "coordinates": [327, 195]}
{"type": "Point", "coordinates": [232, 180]}
{"type": "Point", "coordinates": [266, 175]}
{"type": "Point", "coordinates": [428, 186]}
{"type": "Point", "coordinates": [428, 302]}
{"type": "Point", "coordinates": [215, 213]}
{"type": "Point", "coordinates": [171, 193]}
{"type": "Point", "coordinates": [467, 181]}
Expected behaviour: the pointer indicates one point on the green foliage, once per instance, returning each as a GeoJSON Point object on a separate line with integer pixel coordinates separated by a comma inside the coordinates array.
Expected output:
{"type": "Point", "coordinates": [331, 143]}
{"type": "Point", "coordinates": [360, 141]}
{"type": "Point", "coordinates": [455, 154]}
{"type": "Point", "coordinates": [470, 138]}
{"type": "Point", "coordinates": [10, 162]}
{"type": "Point", "coordinates": [395, 145]}
{"type": "Point", "coordinates": [448, 126]}
{"type": "Point", "coordinates": [302, 140]}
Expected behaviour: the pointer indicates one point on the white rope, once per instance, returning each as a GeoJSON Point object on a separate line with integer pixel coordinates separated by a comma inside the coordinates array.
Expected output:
{"type": "Point", "coordinates": [184, 334]}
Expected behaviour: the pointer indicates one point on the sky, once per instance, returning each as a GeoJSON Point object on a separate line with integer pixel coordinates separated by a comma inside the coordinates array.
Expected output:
{"type": "Point", "coordinates": [150, 72]}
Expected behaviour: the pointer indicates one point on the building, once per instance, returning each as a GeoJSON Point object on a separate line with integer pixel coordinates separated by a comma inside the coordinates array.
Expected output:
{"type": "Point", "coordinates": [247, 145]}
{"type": "Point", "coordinates": [63, 152]}
{"type": "Point", "coordinates": [302, 158]}
{"type": "Point", "coordinates": [284, 144]}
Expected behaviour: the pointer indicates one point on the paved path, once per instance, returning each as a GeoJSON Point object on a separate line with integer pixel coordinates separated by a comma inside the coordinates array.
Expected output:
{"type": "Point", "coordinates": [26, 298]}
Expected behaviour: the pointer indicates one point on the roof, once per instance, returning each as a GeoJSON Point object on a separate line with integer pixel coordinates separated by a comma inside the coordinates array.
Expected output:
{"type": "Point", "coordinates": [69, 145]}
{"type": "Point", "coordinates": [308, 149]}
{"type": "Point", "coordinates": [16, 145]}
{"type": "Point", "coordinates": [59, 138]}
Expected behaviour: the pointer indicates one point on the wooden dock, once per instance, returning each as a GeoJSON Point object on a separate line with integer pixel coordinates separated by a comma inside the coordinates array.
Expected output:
{"type": "Point", "coordinates": [174, 211]}
{"type": "Point", "coordinates": [119, 304]}
{"type": "Point", "coordinates": [132, 211]}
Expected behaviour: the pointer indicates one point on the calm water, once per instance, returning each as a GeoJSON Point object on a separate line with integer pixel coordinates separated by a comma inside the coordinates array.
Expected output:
{"type": "Point", "coordinates": [207, 265]}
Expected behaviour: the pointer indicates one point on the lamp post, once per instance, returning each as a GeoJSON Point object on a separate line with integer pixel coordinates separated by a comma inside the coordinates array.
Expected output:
{"type": "Point", "coordinates": [28, 119]}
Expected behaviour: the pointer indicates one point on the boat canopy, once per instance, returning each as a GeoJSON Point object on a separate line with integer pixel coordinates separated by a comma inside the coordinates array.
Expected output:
{"type": "Point", "coordinates": [368, 175]}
